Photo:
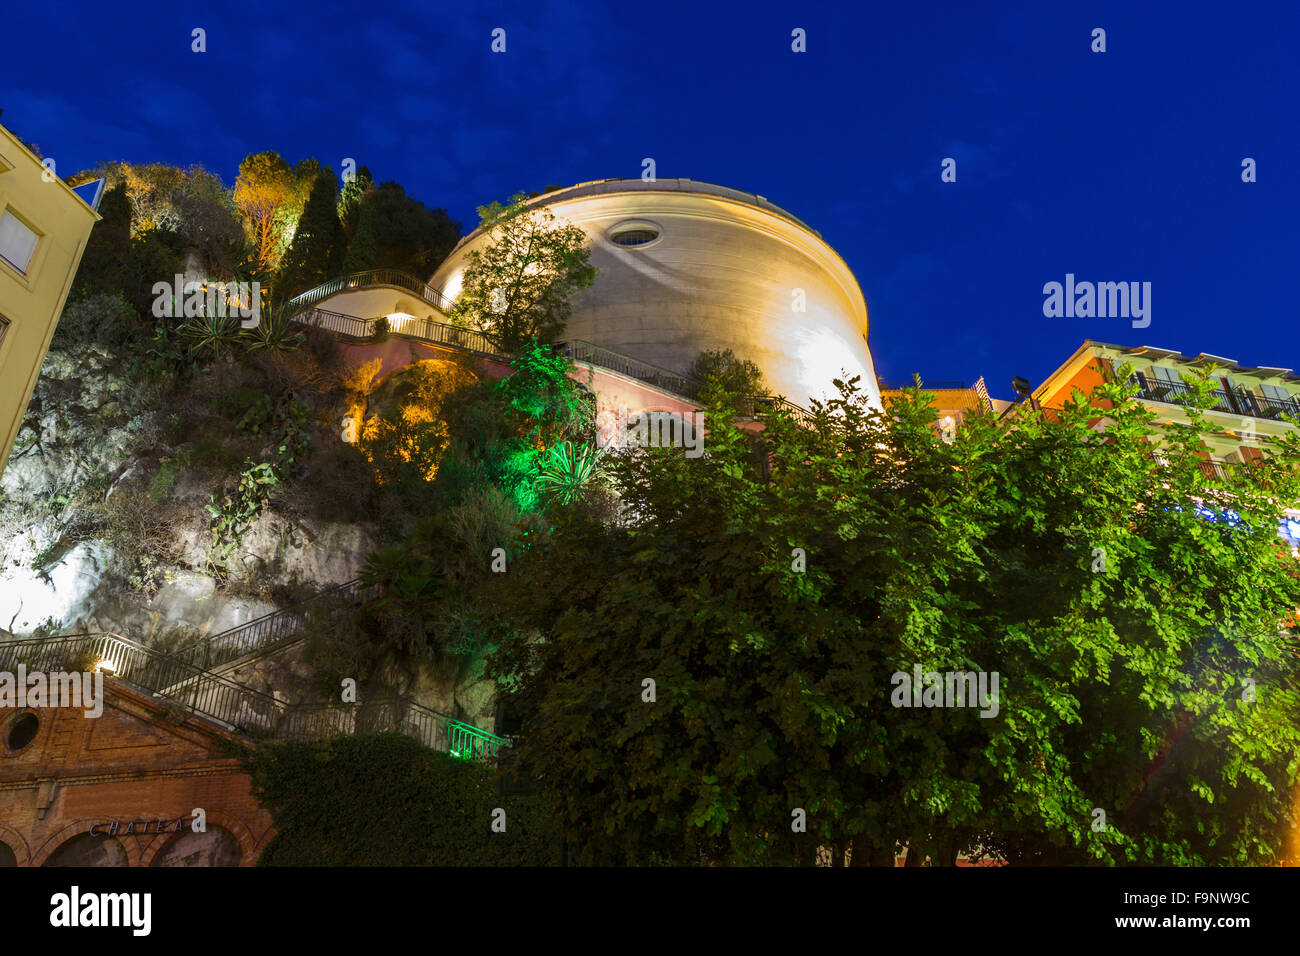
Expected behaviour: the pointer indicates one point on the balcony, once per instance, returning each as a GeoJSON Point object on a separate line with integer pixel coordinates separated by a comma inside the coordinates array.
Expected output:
{"type": "Point", "coordinates": [1241, 402]}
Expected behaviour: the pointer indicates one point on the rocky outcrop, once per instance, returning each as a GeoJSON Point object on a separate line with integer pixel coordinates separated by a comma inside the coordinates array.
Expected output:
{"type": "Point", "coordinates": [94, 450]}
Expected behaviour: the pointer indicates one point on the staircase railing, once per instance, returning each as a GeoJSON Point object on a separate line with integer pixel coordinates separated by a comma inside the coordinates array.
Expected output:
{"type": "Point", "coordinates": [236, 705]}
{"type": "Point", "coordinates": [263, 634]}
{"type": "Point", "coordinates": [371, 277]}
{"type": "Point", "coordinates": [206, 694]}
{"type": "Point", "coordinates": [431, 728]}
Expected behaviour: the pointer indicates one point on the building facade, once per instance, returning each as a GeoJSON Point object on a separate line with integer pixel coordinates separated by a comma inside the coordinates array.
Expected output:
{"type": "Point", "coordinates": [1250, 401]}
{"type": "Point", "coordinates": [44, 226]}
{"type": "Point", "coordinates": [687, 266]}
{"type": "Point", "coordinates": [122, 788]}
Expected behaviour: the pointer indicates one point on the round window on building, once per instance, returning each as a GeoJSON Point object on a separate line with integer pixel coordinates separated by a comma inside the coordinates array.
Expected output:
{"type": "Point", "coordinates": [22, 731]}
{"type": "Point", "coordinates": [634, 233]}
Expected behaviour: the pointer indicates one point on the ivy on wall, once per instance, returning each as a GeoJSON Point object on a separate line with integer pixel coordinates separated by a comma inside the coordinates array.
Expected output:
{"type": "Point", "coordinates": [387, 800]}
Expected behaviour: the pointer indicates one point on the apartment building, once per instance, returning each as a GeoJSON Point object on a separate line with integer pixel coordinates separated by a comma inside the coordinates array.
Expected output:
{"type": "Point", "coordinates": [44, 225]}
{"type": "Point", "coordinates": [1250, 401]}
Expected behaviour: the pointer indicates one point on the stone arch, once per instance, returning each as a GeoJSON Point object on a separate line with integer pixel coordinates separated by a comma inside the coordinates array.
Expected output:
{"type": "Point", "coordinates": [17, 845]}
{"type": "Point", "coordinates": [78, 828]}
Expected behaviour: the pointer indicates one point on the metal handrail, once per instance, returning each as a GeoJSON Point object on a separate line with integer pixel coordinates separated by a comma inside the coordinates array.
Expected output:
{"type": "Point", "coordinates": [1162, 392]}
{"type": "Point", "coordinates": [239, 706]}
{"type": "Point", "coordinates": [268, 632]}
{"type": "Point", "coordinates": [370, 277]}
{"type": "Point", "coordinates": [208, 695]}
{"type": "Point", "coordinates": [455, 336]}
{"type": "Point", "coordinates": [424, 330]}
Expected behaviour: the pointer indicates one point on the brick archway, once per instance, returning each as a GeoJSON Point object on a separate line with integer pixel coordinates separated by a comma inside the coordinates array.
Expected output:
{"type": "Point", "coordinates": [248, 844]}
{"type": "Point", "coordinates": [17, 843]}
{"type": "Point", "coordinates": [75, 829]}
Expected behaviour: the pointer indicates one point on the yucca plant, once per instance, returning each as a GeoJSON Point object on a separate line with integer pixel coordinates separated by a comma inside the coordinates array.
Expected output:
{"type": "Point", "coordinates": [567, 470]}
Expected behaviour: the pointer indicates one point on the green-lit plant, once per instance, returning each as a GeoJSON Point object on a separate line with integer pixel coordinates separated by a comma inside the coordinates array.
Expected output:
{"type": "Point", "coordinates": [567, 470]}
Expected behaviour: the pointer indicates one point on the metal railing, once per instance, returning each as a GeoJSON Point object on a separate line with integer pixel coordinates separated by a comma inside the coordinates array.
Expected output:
{"type": "Point", "coordinates": [1168, 393]}
{"type": "Point", "coordinates": [435, 730]}
{"type": "Point", "coordinates": [424, 330]}
{"type": "Point", "coordinates": [241, 707]}
{"type": "Point", "coordinates": [1263, 406]}
{"type": "Point", "coordinates": [266, 633]}
{"type": "Point", "coordinates": [454, 336]}
{"type": "Point", "coordinates": [371, 277]}
{"type": "Point", "coordinates": [661, 378]}
{"type": "Point", "coordinates": [205, 694]}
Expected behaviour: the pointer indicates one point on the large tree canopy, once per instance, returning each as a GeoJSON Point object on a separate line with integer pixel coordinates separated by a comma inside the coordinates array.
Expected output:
{"type": "Point", "coordinates": [1131, 606]}
{"type": "Point", "coordinates": [517, 288]}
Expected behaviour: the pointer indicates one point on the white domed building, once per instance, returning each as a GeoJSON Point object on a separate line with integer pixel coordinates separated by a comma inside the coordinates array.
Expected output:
{"type": "Point", "coordinates": [687, 266]}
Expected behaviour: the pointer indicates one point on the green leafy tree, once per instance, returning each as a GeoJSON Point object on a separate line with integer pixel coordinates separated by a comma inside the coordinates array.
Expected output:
{"type": "Point", "coordinates": [774, 605]}
{"type": "Point", "coordinates": [350, 197]}
{"type": "Point", "coordinates": [517, 288]}
{"type": "Point", "coordinates": [723, 368]}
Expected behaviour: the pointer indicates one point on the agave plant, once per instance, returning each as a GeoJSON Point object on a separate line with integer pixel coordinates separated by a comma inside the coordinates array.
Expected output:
{"type": "Point", "coordinates": [275, 333]}
{"type": "Point", "coordinates": [216, 334]}
{"type": "Point", "coordinates": [567, 470]}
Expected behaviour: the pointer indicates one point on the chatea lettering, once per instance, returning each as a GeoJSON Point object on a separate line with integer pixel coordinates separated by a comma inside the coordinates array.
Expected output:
{"type": "Point", "coordinates": [139, 827]}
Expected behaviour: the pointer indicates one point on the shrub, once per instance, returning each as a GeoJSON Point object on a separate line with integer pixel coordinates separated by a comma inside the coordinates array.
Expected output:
{"type": "Point", "coordinates": [387, 800]}
{"type": "Point", "coordinates": [98, 319]}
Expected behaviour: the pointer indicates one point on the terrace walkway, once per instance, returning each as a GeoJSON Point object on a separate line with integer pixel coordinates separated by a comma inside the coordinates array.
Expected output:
{"type": "Point", "coordinates": [304, 311]}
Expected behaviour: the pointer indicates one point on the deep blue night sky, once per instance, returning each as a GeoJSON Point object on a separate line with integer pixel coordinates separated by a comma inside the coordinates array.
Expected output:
{"type": "Point", "coordinates": [1123, 166]}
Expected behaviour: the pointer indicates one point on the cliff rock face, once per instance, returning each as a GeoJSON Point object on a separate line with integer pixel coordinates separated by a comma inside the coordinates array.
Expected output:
{"type": "Point", "coordinates": [103, 528]}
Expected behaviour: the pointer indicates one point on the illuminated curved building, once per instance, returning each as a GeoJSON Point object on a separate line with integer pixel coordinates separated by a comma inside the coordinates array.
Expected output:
{"type": "Point", "coordinates": [687, 266]}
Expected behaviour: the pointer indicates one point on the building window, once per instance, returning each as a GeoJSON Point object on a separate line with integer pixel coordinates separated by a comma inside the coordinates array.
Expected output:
{"type": "Point", "coordinates": [17, 241]}
{"type": "Point", "coordinates": [636, 237]}
{"type": "Point", "coordinates": [4, 327]}
{"type": "Point", "coordinates": [22, 731]}
{"type": "Point", "coordinates": [634, 232]}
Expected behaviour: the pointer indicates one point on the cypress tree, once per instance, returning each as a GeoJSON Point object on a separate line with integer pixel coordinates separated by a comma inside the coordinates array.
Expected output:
{"type": "Point", "coordinates": [315, 253]}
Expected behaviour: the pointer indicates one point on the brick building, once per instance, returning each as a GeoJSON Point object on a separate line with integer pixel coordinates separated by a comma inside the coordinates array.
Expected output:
{"type": "Point", "coordinates": [120, 789]}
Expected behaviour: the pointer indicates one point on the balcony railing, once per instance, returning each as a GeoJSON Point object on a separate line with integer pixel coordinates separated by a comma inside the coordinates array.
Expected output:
{"type": "Point", "coordinates": [1241, 402]}
{"type": "Point", "coordinates": [1262, 406]}
{"type": "Point", "coordinates": [359, 280]}
{"type": "Point", "coordinates": [1169, 393]}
